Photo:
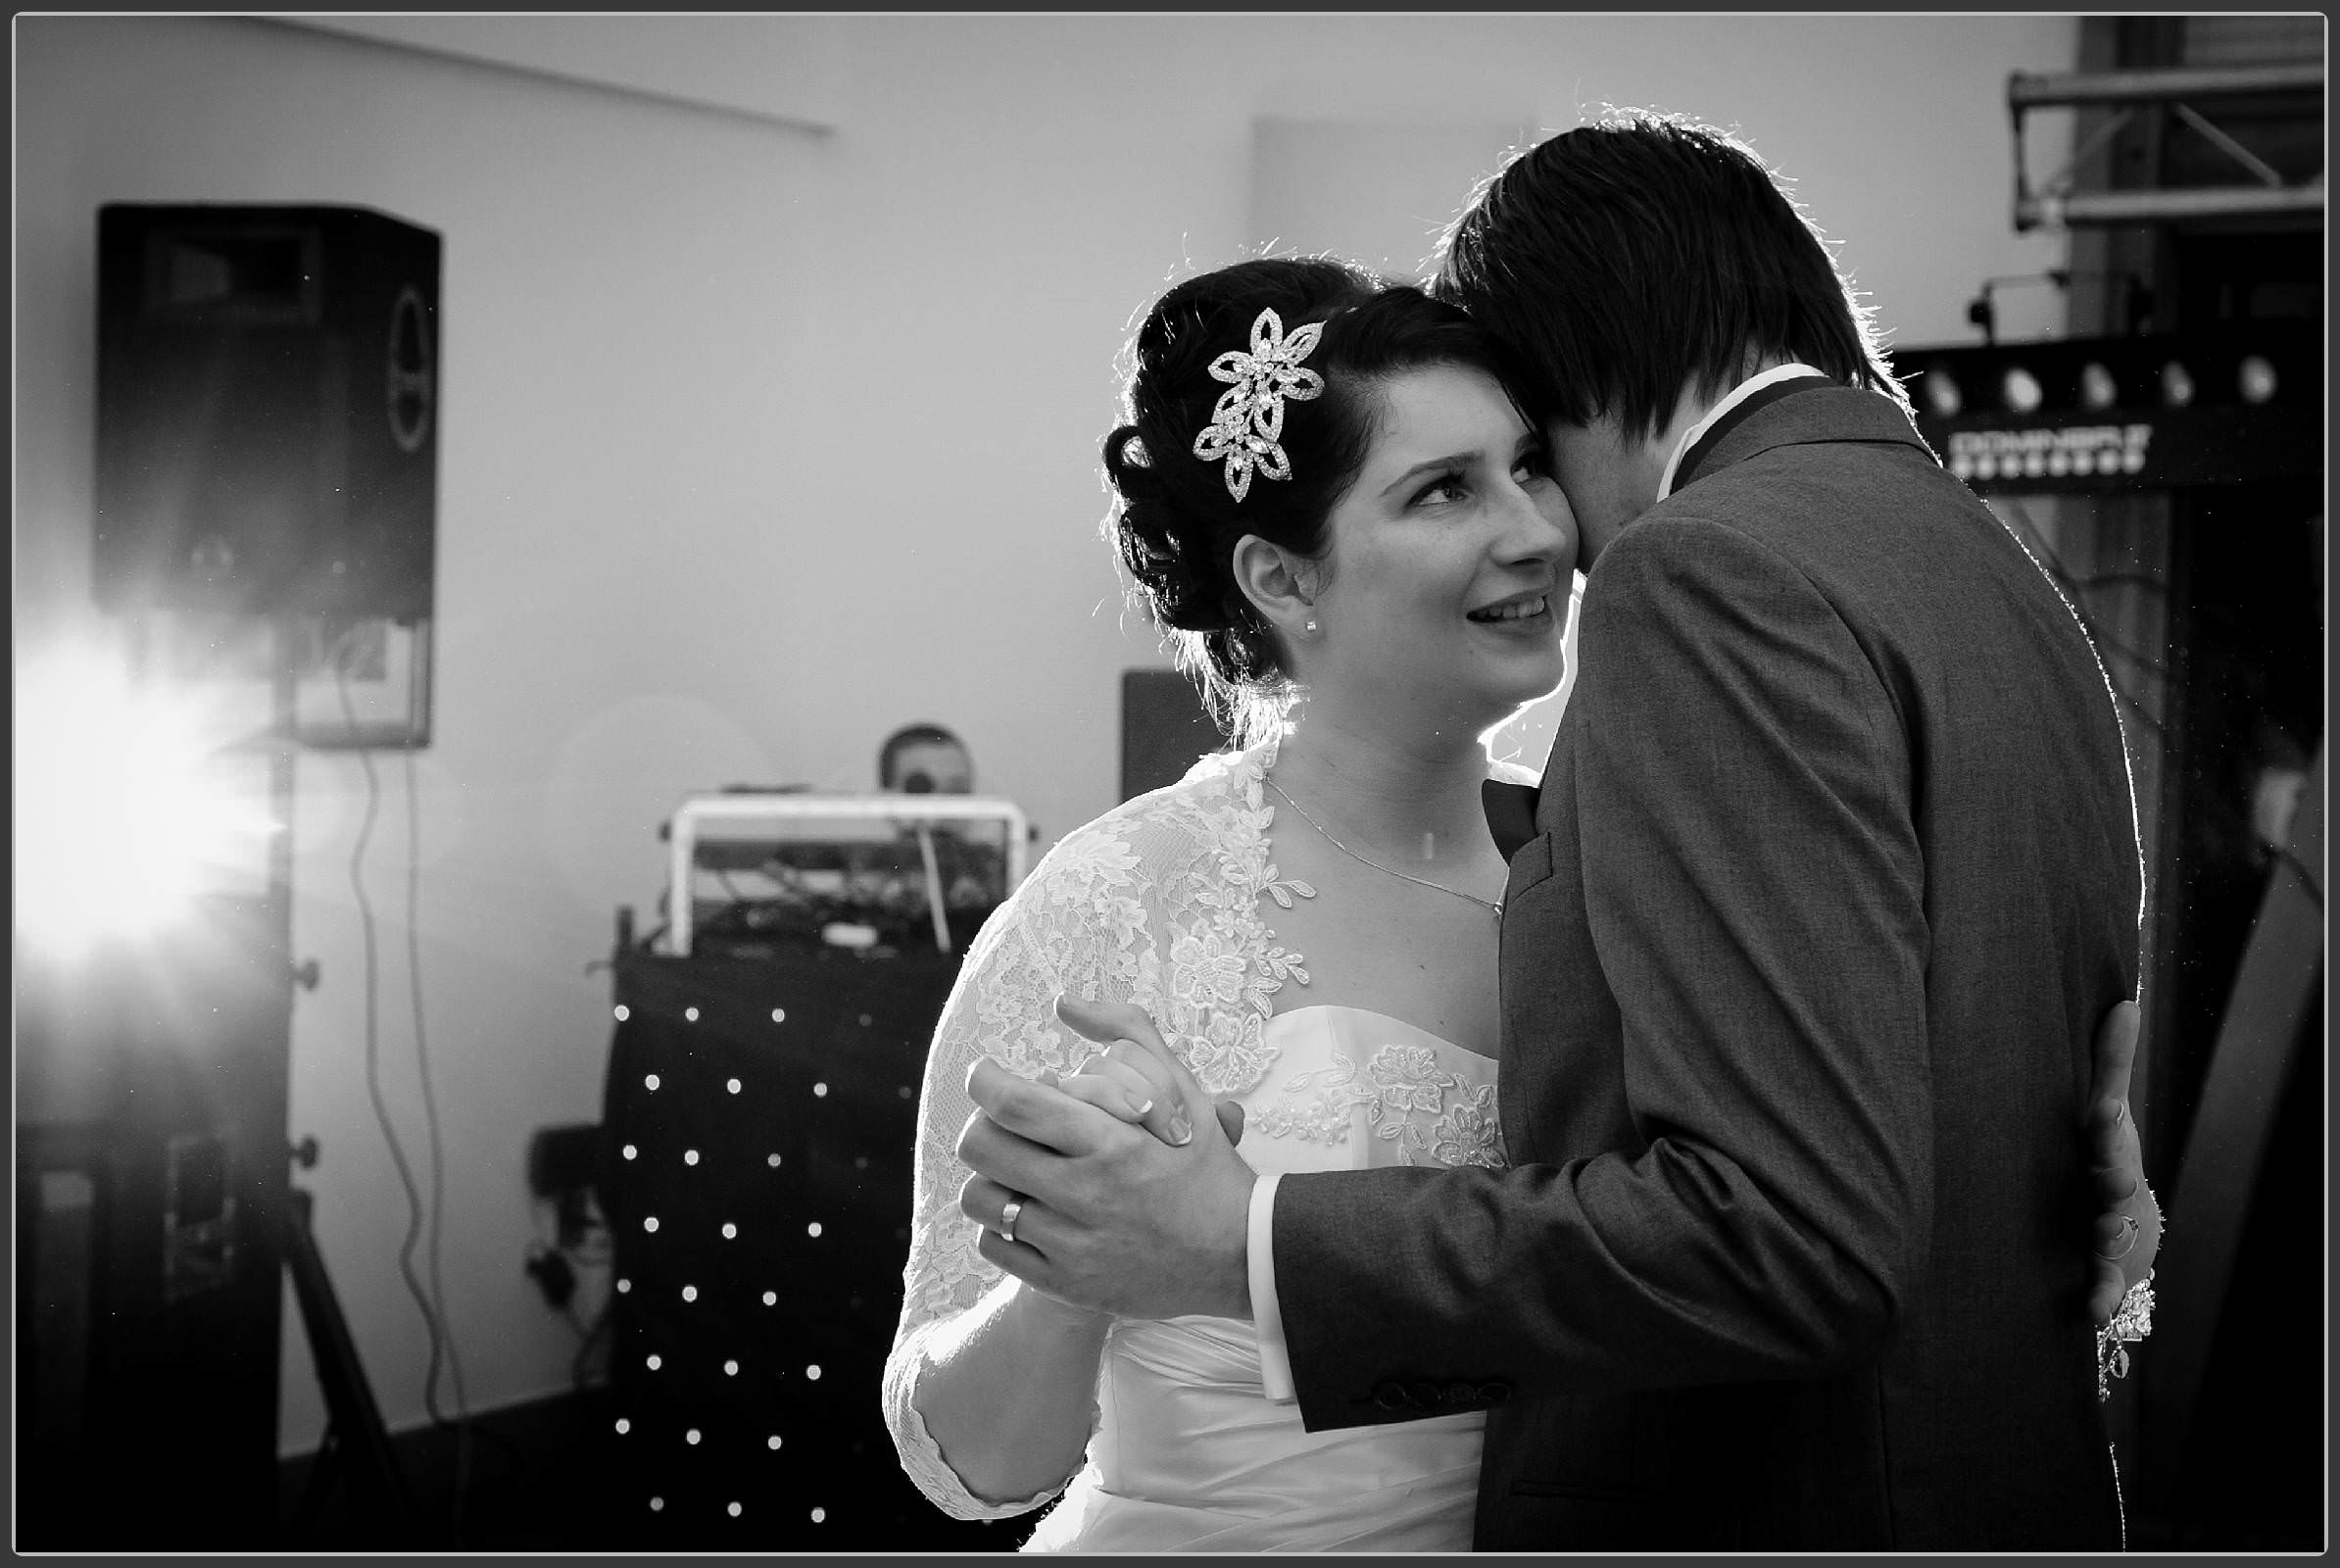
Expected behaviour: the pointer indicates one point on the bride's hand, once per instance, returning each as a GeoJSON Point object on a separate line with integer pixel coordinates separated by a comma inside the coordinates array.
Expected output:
{"type": "Point", "coordinates": [2128, 1228]}
{"type": "Point", "coordinates": [1130, 1082]}
{"type": "Point", "coordinates": [1117, 1089]}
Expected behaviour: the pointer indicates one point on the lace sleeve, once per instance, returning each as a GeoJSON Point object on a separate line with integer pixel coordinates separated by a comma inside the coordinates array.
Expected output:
{"type": "Point", "coordinates": [1079, 924]}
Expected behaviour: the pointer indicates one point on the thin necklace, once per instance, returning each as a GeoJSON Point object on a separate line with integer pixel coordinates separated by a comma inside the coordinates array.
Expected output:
{"type": "Point", "coordinates": [1483, 904]}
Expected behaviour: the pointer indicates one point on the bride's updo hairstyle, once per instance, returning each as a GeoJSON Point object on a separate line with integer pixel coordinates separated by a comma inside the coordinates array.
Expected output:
{"type": "Point", "coordinates": [1174, 521]}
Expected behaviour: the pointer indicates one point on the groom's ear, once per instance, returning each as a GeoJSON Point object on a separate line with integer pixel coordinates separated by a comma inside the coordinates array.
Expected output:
{"type": "Point", "coordinates": [1281, 583]}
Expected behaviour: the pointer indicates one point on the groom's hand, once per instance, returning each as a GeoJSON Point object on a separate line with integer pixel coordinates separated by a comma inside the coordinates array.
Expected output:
{"type": "Point", "coordinates": [1112, 1217]}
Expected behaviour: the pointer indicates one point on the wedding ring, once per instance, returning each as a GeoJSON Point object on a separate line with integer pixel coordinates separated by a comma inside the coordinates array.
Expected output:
{"type": "Point", "coordinates": [2130, 1230]}
{"type": "Point", "coordinates": [1008, 1218]}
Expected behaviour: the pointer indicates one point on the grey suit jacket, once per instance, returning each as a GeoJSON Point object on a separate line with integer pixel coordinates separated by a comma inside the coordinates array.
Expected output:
{"type": "Point", "coordinates": [1836, 873]}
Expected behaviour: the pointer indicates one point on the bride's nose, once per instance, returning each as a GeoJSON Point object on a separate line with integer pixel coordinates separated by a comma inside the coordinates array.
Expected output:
{"type": "Point", "coordinates": [1539, 527]}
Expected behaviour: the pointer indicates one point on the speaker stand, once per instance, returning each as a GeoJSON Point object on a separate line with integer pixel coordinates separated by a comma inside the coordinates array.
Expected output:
{"type": "Point", "coordinates": [381, 1509]}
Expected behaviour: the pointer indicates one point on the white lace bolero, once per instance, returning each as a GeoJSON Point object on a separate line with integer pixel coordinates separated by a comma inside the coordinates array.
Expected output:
{"type": "Point", "coordinates": [1157, 902]}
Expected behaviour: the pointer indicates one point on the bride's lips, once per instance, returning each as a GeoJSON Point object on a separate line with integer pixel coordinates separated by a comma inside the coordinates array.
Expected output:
{"type": "Point", "coordinates": [1520, 613]}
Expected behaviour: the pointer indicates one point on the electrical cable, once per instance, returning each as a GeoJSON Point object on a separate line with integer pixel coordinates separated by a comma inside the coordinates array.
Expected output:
{"type": "Point", "coordinates": [590, 1335]}
{"type": "Point", "coordinates": [371, 1032]}
{"type": "Point", "coordinates": [438, 1163]}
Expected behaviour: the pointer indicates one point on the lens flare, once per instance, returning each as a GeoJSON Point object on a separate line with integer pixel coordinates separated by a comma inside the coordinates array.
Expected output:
{"type": "Point", "coordinates": [130, 804]}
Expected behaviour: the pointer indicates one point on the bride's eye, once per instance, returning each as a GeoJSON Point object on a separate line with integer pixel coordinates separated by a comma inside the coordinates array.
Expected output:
{"type": "Point", "coordinates": [1441, 490]}
{"type": "Point", "coordinates": [1533, 464]}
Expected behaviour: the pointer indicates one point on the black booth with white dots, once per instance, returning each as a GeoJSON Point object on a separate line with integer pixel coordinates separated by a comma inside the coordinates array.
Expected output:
{"type": "Point", "coordinates": [756, 1165]}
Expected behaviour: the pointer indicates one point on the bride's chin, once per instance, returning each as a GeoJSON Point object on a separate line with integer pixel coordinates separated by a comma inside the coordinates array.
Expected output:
{"type": "Point", "coordinates": [1532, 686]}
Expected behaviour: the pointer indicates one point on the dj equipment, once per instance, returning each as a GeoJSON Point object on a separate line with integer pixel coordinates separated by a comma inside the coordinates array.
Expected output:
{"type": "Point", "coordinates": [863, 871]}
{"type": "Point", "coordinates": [758, 1137]}
{"type": "Point", "coordinates": [267, 410]}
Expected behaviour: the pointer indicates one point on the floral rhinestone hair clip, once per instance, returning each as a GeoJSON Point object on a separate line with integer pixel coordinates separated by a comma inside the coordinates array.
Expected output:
{"type": "Point", "coordinates": [1247, 422]}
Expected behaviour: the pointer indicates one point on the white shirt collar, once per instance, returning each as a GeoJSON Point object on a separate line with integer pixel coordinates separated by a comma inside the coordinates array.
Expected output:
{"type": "Point", "coordinates": [1732, 400]}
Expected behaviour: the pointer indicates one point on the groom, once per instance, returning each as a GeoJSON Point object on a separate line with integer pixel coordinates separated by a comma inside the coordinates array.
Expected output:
{"type": "Point", "coordinates": [1832, 873]}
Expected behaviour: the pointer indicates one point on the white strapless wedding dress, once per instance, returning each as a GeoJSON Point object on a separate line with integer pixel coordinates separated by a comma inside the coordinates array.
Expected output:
{"type": "Point", "coordinates": [1189, 1455]}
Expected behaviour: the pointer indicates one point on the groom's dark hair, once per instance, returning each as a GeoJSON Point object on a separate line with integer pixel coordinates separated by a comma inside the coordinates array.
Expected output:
{"type": "Point", "coordinates": [1621, 260]}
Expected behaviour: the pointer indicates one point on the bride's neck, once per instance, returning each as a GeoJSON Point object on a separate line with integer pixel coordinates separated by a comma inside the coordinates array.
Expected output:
{"type": "Point", "coordinates": [1402, 793]}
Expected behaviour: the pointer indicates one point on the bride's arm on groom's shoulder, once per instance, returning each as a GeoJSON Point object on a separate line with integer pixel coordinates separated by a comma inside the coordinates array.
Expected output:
{"type": "Point", "coordinates": [991, 1388]}
{"type": "Point", "coordinates": [2128, 1227]}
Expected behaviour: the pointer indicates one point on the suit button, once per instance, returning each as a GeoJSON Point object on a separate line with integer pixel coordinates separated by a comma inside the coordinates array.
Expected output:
{"type": "Point", "coordinates": [1461, 1393]}
{"type": "Point", "coordinates": [1390, 1396]}
{"type": "Point", "coordinates": [1426, 1395]}
{"type": "Point", "coordinates": [1495, 1393]}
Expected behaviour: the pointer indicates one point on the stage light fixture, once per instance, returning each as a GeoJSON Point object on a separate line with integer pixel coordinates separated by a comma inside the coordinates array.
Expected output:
{"type": "Point", "coordinates": [2019, 391]}
{"type": "Point", "coordinates": [2098, 389]}
{"type": "Point", "coordinates": [131, 803]}
{"type": "Point", "coordinates": [2255, 378]}
{"type": "Point", "coordinates": [2177, 385]}
{"type": "Point", "coordinates": [1941, 394]}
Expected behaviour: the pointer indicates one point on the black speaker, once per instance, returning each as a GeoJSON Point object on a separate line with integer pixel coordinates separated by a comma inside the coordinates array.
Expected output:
{"type": "Point", "coordinates": [1164, 729]}
{"type": "Point", "coordinates": [267, 409]}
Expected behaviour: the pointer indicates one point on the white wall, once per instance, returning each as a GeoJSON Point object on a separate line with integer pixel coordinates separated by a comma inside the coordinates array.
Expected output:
{"type": "Point", "coordinates": [758, 441]}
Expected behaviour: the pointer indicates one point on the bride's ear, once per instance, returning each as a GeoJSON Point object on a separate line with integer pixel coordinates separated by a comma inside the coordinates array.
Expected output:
{"type": "Point", "coordinates": [1279, 583]}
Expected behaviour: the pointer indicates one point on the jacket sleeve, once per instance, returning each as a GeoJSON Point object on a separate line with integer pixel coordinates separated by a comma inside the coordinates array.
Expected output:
{"type": "Point", "coordinates": [1752, 885]}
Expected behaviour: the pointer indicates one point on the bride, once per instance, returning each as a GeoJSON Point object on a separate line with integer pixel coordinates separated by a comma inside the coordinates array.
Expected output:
{"type": "Point", "coordinates": [1324, 488]}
